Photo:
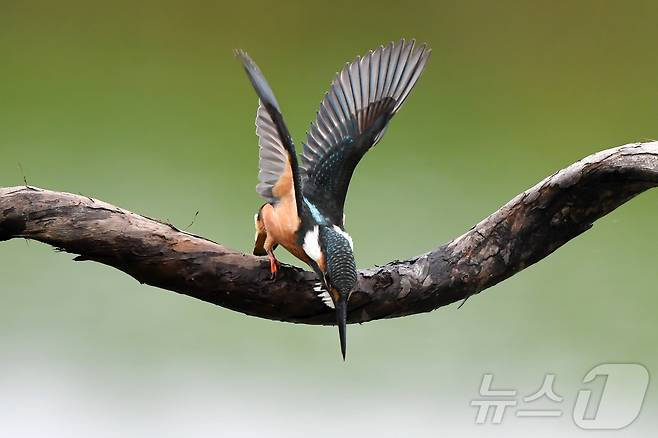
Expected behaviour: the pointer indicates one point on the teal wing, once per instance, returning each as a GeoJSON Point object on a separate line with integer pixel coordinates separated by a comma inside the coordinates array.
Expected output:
{"type": "Point", "coordinates": [353, 117]}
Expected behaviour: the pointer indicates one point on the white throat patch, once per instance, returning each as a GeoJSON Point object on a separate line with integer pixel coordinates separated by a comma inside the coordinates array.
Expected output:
{"type": "Point", "coordinates": [345, 235]}
{"type": "Point", "coordinates": [311, 244]}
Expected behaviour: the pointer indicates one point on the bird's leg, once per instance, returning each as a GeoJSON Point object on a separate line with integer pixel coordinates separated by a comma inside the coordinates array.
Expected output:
{"type": "Point", "coordinates": [274, 264]}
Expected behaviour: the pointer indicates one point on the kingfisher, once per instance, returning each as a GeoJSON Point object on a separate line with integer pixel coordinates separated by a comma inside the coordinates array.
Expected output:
{"type": "Point", "coordinates": [305, 197]}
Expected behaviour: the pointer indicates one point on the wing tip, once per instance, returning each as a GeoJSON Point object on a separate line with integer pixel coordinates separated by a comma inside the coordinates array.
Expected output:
{"type": "Point", "coordinates": [257, 79]}
{"type": "Point", "coordinates": [243, 57]}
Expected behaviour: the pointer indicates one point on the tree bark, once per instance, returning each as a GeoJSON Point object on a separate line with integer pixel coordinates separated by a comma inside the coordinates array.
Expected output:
{"type": "Point", "coordinates": [526, 229]}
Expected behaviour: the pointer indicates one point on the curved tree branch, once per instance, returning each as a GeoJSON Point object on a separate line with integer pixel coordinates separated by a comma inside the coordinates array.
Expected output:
{"type": "Point", "coordinates": [522, 232]}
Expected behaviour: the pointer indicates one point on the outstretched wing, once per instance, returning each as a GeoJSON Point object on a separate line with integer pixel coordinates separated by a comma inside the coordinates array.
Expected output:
{"type": "Point", "coordinates": [274, 161]}
{"type": "Point", "coordinates": [352, 118]}
{"type": "Point", "coordinates": [278, 172]}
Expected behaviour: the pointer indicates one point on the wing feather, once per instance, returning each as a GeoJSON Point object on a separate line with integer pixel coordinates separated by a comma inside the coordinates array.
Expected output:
{"type": "Point", "coordinates": [273, 159]}
{"type": "Point", "coordinates": [278, 170]}
{"type": "Point", "coordinates": [352, 118]}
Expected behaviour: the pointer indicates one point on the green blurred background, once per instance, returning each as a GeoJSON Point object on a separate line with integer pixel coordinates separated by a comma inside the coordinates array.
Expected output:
{"type": "Point", "coordinates": [142, 104]}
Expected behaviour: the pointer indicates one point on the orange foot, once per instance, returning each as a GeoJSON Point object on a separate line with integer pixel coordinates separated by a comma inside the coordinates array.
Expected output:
{"type": "Point", "coordinates": [274, 265]}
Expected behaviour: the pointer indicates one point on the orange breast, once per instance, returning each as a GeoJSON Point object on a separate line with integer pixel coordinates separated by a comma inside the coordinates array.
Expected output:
{"type": "Point", "coordinates": [282, 223]}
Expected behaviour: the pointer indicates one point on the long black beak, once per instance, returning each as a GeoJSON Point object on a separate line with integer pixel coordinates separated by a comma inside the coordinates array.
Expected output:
{"type": "Point", "coordinates": [341, 321]}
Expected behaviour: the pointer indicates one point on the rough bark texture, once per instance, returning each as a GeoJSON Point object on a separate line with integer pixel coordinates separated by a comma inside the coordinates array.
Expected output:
{"type": "Point", "coordinates": [522, 232]}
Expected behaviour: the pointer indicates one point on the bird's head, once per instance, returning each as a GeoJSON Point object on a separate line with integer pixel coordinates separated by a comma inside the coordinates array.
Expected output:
{"type": "Point", "coordinates": [331, 248]}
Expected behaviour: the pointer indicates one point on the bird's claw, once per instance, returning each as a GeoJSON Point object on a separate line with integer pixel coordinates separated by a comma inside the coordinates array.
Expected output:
{"type": "Point", "coordinates": [274, 268]}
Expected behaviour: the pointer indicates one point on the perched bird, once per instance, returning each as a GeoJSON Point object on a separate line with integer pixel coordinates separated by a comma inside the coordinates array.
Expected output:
{"type": "Point", "coordinates": [305, 199]}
